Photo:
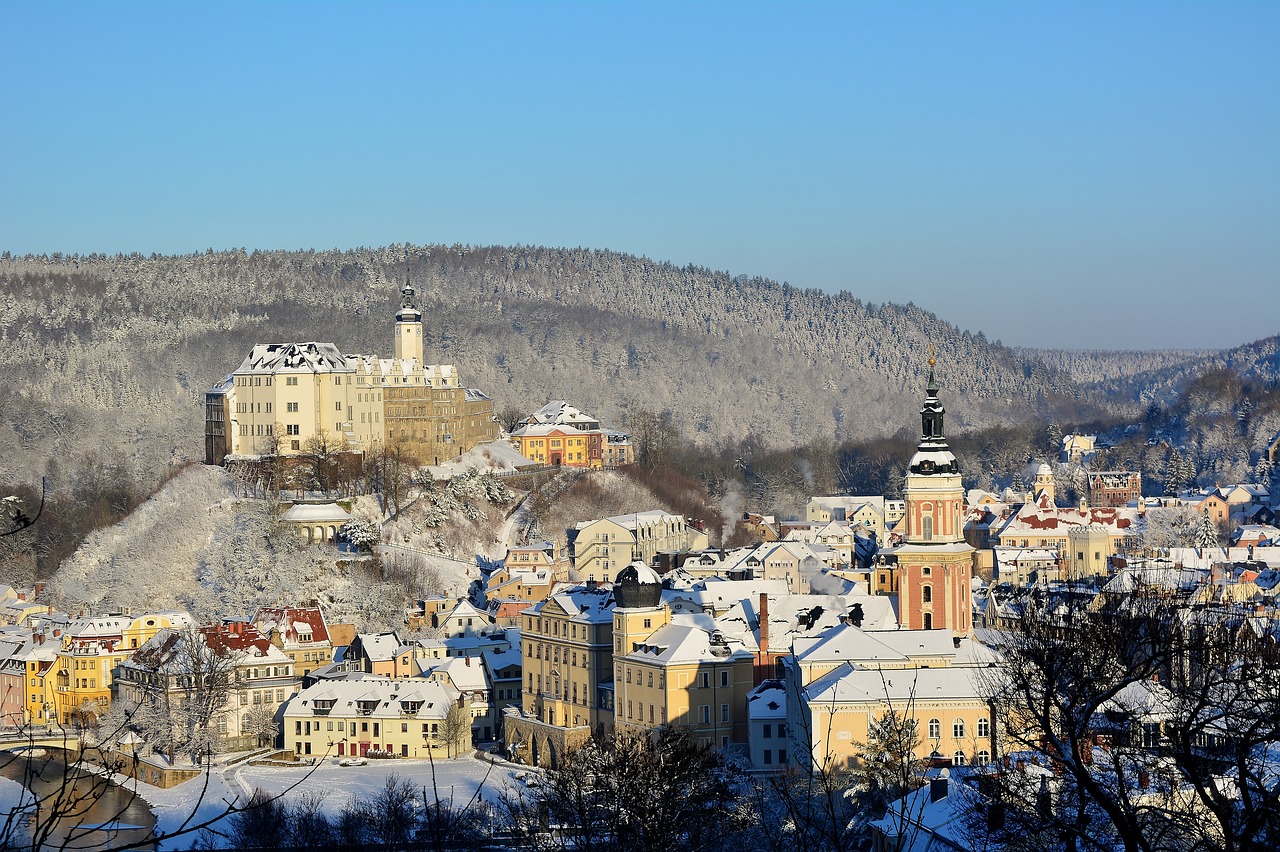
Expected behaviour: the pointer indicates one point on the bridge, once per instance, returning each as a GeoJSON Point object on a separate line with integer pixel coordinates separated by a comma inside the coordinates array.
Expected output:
{"type": "Point", "coordinates": [13, 739]}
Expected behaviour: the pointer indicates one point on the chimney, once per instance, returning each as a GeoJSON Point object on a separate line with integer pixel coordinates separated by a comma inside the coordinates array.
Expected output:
{"type": "Point", "coordinates": [468, 659]}
{"type": "Point", "coordinates": [39, 590]}
{"type": "Point", "coordinates": [938, 786]}
{"type": "Point", "coordinates": [764, 623]}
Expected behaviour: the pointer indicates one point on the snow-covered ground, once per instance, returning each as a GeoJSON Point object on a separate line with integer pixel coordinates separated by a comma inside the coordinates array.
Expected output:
{"type": "Point", "coordinates": [497, 456]}
{"type": "Point", "coordinates": [458, 779]}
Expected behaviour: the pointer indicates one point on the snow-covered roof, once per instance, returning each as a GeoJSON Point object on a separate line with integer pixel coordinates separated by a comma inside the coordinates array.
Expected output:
{"type": "Point", "coordinates": [853, 685]}
{"type": "Point", "coordinates": [675, 644]}
{"type": "Point", "coordinates": [375, 697]}
{"type": "Point", "coordinates": [379, 646]}
{"type": "Point", "coordinates": [767, 701]}
{"type": "Point", "coordinates": [315, 513]}
{"type": "Point", "coordinates": [309, 357]}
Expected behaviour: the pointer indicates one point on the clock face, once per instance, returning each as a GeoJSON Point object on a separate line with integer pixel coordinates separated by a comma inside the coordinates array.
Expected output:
{"type": "Point", "coordinates": [926, 466]}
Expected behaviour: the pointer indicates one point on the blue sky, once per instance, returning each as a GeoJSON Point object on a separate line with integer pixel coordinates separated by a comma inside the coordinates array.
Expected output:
{"type": "Point", "coordinates": [1069, 175]}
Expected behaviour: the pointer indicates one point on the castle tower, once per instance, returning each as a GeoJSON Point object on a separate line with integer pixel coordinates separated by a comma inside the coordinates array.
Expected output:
{"type": "Point", "coordinates": [408, 327]}
{"type": "Point", "coordinates": [935, 563]}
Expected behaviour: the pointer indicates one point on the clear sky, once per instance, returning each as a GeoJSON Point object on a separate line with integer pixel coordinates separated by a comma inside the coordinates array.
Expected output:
{"type": "Point", "coordinates": [1061, 174]}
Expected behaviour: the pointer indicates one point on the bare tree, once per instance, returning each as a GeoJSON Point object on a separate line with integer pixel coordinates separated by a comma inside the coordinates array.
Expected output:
{"type": "Point", "coordinates": [1156, 720]}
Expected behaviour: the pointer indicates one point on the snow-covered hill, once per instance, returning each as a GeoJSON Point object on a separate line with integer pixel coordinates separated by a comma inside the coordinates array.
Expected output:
{"type": "Point", "coordinates": [198, 546]}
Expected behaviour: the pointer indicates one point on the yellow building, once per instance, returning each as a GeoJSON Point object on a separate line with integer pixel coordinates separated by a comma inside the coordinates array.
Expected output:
{"type": "Point", "coordinates": [567, 656]}
{"type": "Point", "coordinates": [675, 674]}
{"type": "Point", "coordinates": [601, 547]}
{"type": "Point", "coordinates": [92, 648]}
{"type": "Point", "coordinates": [562, 436]}
{"type": "Point", "coordinates": [284, 396]}
{"type": "Point", "coordinates": [838, 684]}
{"type": "Point", "coordinates": [407, 718]}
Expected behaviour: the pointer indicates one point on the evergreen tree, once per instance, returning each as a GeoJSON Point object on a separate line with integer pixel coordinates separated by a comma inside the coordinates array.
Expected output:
{"type": "Point", "coordinates": [1207, 534]}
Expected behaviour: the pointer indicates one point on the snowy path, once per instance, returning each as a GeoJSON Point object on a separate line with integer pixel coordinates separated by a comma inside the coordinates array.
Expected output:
{"type": "Point", "coordinates": [516, 520]}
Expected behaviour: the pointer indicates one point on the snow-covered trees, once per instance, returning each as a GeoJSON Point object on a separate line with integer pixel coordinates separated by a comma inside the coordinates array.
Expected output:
{"type": "Point", "coordinates": [363, 534]}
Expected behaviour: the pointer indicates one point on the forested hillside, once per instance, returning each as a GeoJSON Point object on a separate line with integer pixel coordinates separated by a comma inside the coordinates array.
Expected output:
{"type": "Point", "coordinates": [105, 359]}
{"type": "Point", "coordinates": [110, 355]}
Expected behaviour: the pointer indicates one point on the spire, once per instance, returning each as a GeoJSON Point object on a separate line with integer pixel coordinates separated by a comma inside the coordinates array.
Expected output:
{"type": "Point", "coordinates": [931, 413]}
{"type": "Point", "coordinates": [408, 308]}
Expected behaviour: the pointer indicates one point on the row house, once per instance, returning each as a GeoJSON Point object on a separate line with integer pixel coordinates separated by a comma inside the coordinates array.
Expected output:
{"type": "Point", "coordinates": [234, 657]}
{"type": "Point", "coordinates": [567, 659]}
{"type": "Point", "coordinates": [361, 713]}
{"type": "Point", "coordinates": [301, 632]}
{"type": "Point", "coordinates": [599, 548]}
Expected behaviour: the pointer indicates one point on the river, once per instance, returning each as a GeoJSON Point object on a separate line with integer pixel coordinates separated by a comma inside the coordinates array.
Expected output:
{"type": "Point", "coordinates": [75, 809]}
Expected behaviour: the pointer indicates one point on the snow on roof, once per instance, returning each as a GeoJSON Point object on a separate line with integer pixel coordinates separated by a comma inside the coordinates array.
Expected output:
{"type": "Point", "coordinates": [846, 642]}
{"type": "Point", "coordinates": [851, 684]}
{"type": "Point", "coordinates": [309, 357]}
{"type": "Point", "coordinates": [377, 697]}
{"type": "Point", "coordinates": [293, 622]}
{"type": "Point", "coordinates": [675, 644]}
{"type": "Point", "coordinates": [644, 574]}
{"type": "Point", "coordinates": [315, 513]}
{"type": "Point", "coordinates": [768, 701]}
{"type": "Point", "coordinates": [379, 646]}
{"type": "Point", "coordinates": [465, 673]}
{"type": "Point", "coordinates": [582, 603]}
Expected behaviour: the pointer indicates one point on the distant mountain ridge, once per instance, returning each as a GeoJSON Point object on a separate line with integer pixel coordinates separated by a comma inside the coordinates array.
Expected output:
{"type": "Point", "coordinates": [112, 354]}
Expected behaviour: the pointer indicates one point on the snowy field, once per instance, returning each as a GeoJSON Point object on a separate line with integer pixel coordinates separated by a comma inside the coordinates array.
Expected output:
{"type": "Point", "coordinates": [457, 779]}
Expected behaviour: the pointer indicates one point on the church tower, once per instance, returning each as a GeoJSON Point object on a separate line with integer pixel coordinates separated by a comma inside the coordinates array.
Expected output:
{"type": "Point", "coordinates": [934, 563]}
{"type": "Point", "coordinates": [409, 327]}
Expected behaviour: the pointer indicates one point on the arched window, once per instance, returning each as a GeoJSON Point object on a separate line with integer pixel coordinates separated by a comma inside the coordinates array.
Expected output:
{"type": "Point", "coordinates": [958, 759]}
{"type": "Point", "coordinates": [983, 758]}
{"type": "Point", "coordinates": [926, 527]}
{"type": "Point", "coordinates": [957, 729]}
{"type": "Point", "coordinates": [984, 728]}
{"type": "Point", "coordinates": [927, 593]}
{"type": "Point", "coordinates": [935, 729]}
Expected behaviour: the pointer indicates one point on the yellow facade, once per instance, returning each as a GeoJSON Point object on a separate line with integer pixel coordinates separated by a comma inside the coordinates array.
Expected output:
{"type": "Point", "coordinates": [91, 649]}
{"type": "Point", "coordinates": [674, 676]}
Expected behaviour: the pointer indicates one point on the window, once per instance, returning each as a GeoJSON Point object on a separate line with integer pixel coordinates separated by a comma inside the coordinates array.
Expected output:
{"type": "Point", "coordinates": [957, 729]}
{"type": "Point", "coordinates": [768, 732]}
{"type": "Point", "coordinates": [338, 405]}
{"type": "Point", "coordinates": [706, 714]}
{"type": "Point", "coordinates": [724, 712]}
{"type": "Point", "coordinates": [984, 728]}
{"type": "Point", "coordinates": [959, 759]}
{"type": "Point", "coordinates": [293, 429]}
{"type": "Point", "coordinates": [928, 621]}
{"type": "Point", "coordinates": [291, 380]}
{"type": "Point", "coordinates": [291, 406]}
{"type": "Point", "coordinates": [782, 755]}
{"type": "Point", "coordinates": [768, 757]}
{"type": "Point", "coordinates": [704, 680]}
{"type": "Point", "coordinates": [935, 729]}
{"type": "Point", "coordinates": [927, 593]}
{"type": "Point", "coordinates": [724, 677]}
{"type": "Point", "coordinates": [982, 758]}
{"type": "Point", "coordinates": [782, 729]}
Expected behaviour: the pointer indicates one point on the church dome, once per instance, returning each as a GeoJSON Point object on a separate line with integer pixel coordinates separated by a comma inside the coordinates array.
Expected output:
{"type": "Point", "coordinates": [1044, 470]}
